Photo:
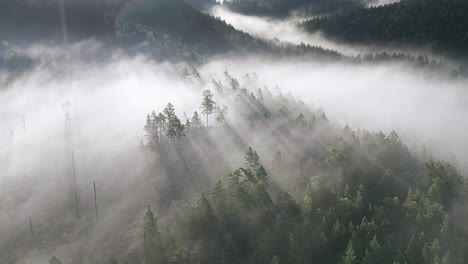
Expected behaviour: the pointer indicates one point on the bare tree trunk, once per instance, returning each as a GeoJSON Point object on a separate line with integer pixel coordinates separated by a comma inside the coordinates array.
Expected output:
{"type": "Point", "coordinates": [95, 203]}
{"type": "Point", "coordinates": [75, 190]}
{"type": "Point", "coordinates": [32, 229]}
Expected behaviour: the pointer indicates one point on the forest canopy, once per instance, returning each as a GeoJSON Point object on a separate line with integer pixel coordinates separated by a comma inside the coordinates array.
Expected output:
{"type": "Point", "coordinates": [323, 193]}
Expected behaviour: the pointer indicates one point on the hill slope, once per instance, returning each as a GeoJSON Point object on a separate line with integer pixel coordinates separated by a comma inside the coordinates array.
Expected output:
{"type": "Point", "coordinates": [440, 24]}
{"type": "Point", "coordinates": [285, 7]}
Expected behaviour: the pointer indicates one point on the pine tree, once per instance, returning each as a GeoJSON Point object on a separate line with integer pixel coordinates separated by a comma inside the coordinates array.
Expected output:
{"type": "Point", "coordinates": [175, 128]}
{"type": "Point", "coordinates": [350, 256]}
{"type": "Point", "coordinates": [162, 125]}
{"type": "Point", "coordinates": [169, 112]}
{"type": "Point", "coordinates": [252, 159]}
{"type": "Point", "coordinates": [373, 252]}
{"type": "Point", "coordinates": [196, 121]}
{"type": "Point", "coordinates": [207, 104]}
{"type": "Point", "coordinates": [179, 128]}
{"type": "Point", "coordinates": [151, 244]}
{"type": "Point", "coordinates": [275, 260]}
{"type": "Point", "coordinates": [221, 114]}
{"type": "Point", "coordinates": [188, 126]}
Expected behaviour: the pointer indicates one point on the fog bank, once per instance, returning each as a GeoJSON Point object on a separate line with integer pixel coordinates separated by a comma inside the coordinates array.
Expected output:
{"type": "Point", "coordinates": [428, 111]}
{"type": "Point", "coordinates": [287, 30]}
{"type": "Point", "coordinates": [97, 112]}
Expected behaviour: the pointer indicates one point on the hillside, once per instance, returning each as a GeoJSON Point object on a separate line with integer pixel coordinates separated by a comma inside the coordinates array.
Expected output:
{"type": "Point", "coordinates": [167, 29]}
{"type": "Point", "coordinates": [299, 188]}
{"type": "Point", "coordinates": [175, 27]}
{"type": "Point", "coordinates": [441, 25]}
{"type": "Point", "coordinates": [281, 8]}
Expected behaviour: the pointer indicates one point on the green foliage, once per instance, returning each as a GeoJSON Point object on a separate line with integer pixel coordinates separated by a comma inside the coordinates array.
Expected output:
{"type": "Point", "coordinates": [357, 197]}
{"type": "Point", "coordinates": [350, 256]}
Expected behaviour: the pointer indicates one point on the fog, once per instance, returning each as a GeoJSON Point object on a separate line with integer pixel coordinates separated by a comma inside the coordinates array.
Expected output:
{"type": "Point", "coordinates": [428, 111]}
{"type": "Point", "coordinates": [383, 2]}
{"type": "Point", "coordinates": [284, 30]}
{"type": "Point", "coordinates": [97, 112]}
{"type": "Point", "coordinates": [287, 30]}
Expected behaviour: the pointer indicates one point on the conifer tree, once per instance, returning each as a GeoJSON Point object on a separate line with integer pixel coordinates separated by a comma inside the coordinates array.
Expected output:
{"type": "Point", "coordinates": [275, 260]}
{"type": "Point", "coordinates": [196, 121]}
{"type": "Point", "coordinates": [221, 114]}
{"type": "Point", "coordinates": [207, 104]}
{"type": "Point", "coordinates": [350, 256]}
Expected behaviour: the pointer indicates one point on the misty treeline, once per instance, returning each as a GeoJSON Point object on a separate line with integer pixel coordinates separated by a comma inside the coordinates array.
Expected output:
{"type": "Point", "coordinates": [169, 30]}
{"type": "Point", "coordinates": [296, 188]}
{"type": "Point", "coordinates": [285, 7]}
{"type": "Point", "coordinates": [438, 24]}
{"type": "Point", "coordinates": [168, 125]}
{"type": "Point", "coordinates": [165, 29]}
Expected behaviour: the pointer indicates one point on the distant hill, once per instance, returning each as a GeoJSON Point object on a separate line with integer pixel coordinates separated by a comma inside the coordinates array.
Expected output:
{"type": "Point", "coordinates": [164, 28]}
{"type": "Point", "coordinates": [285, 7]}
{"type": "Point", "coordinates": [175, 26]}
{"type": "Point", "coordinates": [440, 24]}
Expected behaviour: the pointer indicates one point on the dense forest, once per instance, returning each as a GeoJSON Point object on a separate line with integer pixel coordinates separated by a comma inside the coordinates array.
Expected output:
{"type": "Point", "coordinates": [308, 190]}
{"type": "Point", "coordinates": [441, 25]}
{"type": "Point", "coordinates": [165, 29]}
{"type": "Point", "coordinates": [285, 7]}
{"type": "Point", "coordinates": [174, 27]}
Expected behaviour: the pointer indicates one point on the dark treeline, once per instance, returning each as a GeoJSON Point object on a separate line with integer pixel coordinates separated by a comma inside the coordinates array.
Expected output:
{"type": "Point", "coordinates": [165, 29]}
{"type": "Point", "coordinates": [285, 7]}
{"type": "Point", "coordinates": [307, 190]}
{"type": "Point", "coordinates": [174, 27]}
{"type": "Point", "coordinates": [439, 24]}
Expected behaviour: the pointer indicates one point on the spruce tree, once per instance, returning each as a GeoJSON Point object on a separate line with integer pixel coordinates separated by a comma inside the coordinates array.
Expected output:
{"type": "Point", "coordinates": [207, 104]}
{"type": "Point", "coordinates": [350, 256]}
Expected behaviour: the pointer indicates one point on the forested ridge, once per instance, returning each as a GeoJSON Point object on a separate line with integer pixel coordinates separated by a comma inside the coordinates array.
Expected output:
{"type": "Point", "coordinates": [285, 7]}
{"type": "Point", "coordinates": [174, 28]}
{"type": "Point", "coordinates": [442, 25]}
{"type": "Point", "coordinates": [164, 29]}
{"type": "Point", "coordinates": [308, 189]}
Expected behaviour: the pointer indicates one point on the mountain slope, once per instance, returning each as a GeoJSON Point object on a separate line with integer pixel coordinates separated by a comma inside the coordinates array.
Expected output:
{"type": "Point", "coordinates": [285, 7]}
{"type": "Point", "coordinates": [175, 27]}
{"type": "Point", "coordinates": [440, 24]}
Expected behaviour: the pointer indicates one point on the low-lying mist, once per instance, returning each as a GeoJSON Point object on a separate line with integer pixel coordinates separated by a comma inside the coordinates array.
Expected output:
{"type": "Point", "coordinates": [289, 30]}
{"type": "Point", "coordinates": [429, 111]}
{"type": "Point", "coordinates": [96, 112]}
{"type": "Point", "coordinates": [284, 30]}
